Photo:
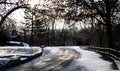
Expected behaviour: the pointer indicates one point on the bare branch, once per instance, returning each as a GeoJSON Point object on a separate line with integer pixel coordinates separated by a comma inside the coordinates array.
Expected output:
{"type": "Point", "coordinates": [7, 3]}
{"type": "Point", "coordinates": [12, 10]}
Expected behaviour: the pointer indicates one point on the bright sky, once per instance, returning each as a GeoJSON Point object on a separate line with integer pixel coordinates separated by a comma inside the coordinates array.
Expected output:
{"type": "Point", "coordinates": [18, 15]}
{"type": "Point", "coordinates": [33, 2]}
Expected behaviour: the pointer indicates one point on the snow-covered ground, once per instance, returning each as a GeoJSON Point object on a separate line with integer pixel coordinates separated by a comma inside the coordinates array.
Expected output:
{"type": "Point", "coordinates": [118, 63]}
{"type": "Point", "coordinates": [14, 52]}
{"type": "Point", "coordinates": [19, 43]}
{"type": "Point", "coordinates": [89, 60]}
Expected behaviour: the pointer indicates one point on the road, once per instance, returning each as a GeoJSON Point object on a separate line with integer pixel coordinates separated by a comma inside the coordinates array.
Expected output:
{"type": "Point", "coordinates": [57, 61]}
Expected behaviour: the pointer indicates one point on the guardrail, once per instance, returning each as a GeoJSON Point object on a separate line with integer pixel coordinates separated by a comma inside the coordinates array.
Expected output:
{"type": "Point", "coordinates": [109, 51]}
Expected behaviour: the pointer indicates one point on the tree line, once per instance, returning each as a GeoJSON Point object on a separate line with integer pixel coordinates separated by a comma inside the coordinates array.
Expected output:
{"type": "Point", "coordinates": [85, 22]}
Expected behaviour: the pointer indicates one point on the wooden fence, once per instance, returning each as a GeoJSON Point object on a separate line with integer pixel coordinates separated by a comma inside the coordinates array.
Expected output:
{"type": "Point", "coordinates": [109, 51]}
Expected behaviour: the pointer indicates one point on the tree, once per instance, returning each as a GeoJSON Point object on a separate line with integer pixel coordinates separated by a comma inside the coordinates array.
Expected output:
{"type": "Point", "coordinates": [100, 10]}
{"type": "Point", "coordinates": [3, 37]}
{"type": "Point", "coordinates": [13, 5]}
{"type": "Point", "coordinates": [105, 10]}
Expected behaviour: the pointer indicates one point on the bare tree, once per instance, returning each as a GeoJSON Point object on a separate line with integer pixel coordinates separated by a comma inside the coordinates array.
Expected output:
{"type": "Point", "coordinates": [100, 10]}
{"type": "Point", "coordinates": [9, 6]}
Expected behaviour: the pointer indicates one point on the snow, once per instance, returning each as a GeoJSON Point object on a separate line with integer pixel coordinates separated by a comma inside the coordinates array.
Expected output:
{"type": "Point", "coordinates": [16, 42]}
{"type": "Point", "coordinates": [89, 60]}
{"type": "Point", "coordinates": [14, 52]}
{"type": "Point", "coordinates": [26, 51]}
{"type": "Point", "coordinates": [47, 51]}
{"type": "Point", "coordinates": [118, 63]}
{"type": "Point", "coordinates": [52, 49]}
{"type": "Point", "coordinates": [4, 61]}
{"type": "Point", "coordinates": [25, 44]}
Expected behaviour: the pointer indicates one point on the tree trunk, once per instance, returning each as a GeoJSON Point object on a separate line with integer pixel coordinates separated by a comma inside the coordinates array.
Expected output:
{"type": "Point", "coordinates": [110, 36]}
{"type": "Point", "coordinates": [32, 36]}
{"type": "Point", "coordinates": [109, 24]}
{"type": "Point", "coordinates": [100, 37]}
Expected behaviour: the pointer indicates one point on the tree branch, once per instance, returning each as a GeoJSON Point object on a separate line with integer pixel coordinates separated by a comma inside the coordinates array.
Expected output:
{"type": "Point", "coordinates": [12, 10]}
{"type": "Point", "coordinates": [100, 21]}
{"type": "Point", "coordinates": [7, 3]}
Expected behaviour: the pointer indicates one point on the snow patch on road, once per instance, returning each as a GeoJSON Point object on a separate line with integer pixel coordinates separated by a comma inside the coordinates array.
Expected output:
{"type": "Point", "coordinates": [52, 49]}
{"type": "Point", "coordinates": [88, 61]}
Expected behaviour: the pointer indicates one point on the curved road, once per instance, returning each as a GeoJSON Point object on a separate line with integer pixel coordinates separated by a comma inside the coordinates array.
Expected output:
{"type": "Point", "coordinates": [57, 61]}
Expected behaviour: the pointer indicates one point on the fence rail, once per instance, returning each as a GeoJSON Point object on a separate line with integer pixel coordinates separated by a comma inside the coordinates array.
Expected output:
{"type": "Point", "coordinates": [109, 51]}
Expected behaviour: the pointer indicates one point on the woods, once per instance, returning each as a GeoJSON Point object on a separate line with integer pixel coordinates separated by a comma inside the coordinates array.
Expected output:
{"type": "Point", "coordinates": [66, 22]}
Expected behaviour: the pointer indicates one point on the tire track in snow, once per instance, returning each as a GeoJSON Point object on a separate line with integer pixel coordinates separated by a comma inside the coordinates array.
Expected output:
{"type": "Point", "coordinates": [54, 62]}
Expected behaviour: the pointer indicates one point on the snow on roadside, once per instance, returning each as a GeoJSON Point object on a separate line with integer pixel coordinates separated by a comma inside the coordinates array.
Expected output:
{"type": "Point", "coordinates": [52, 49]}
{"type": "Point", "coordinates": [89, 60]}
{"type": "Point", "coordinates": [15, 50]}
{"type": "Point", "coordinates": [10, 53]}
{"type": "Point", "coordinates": [46, 52]}
{"type": "Point", "coordinates": [118, 63]}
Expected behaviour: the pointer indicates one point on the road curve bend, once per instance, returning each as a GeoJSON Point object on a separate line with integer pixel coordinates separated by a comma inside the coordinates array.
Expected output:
{"type": "Point", "coordinates": [57, 61]}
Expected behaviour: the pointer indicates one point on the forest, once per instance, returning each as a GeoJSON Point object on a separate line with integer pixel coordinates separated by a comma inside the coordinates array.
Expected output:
{"type": "Point", "coordinates": [62, 23]}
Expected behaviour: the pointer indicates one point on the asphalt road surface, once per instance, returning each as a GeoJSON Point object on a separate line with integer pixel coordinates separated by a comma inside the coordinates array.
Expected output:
{"type": "Point", "coordinates": [57, 61]}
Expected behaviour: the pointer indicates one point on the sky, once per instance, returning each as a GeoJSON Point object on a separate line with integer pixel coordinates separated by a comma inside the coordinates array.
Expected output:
{"type": "Point", "coordinates": [18, 15]}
